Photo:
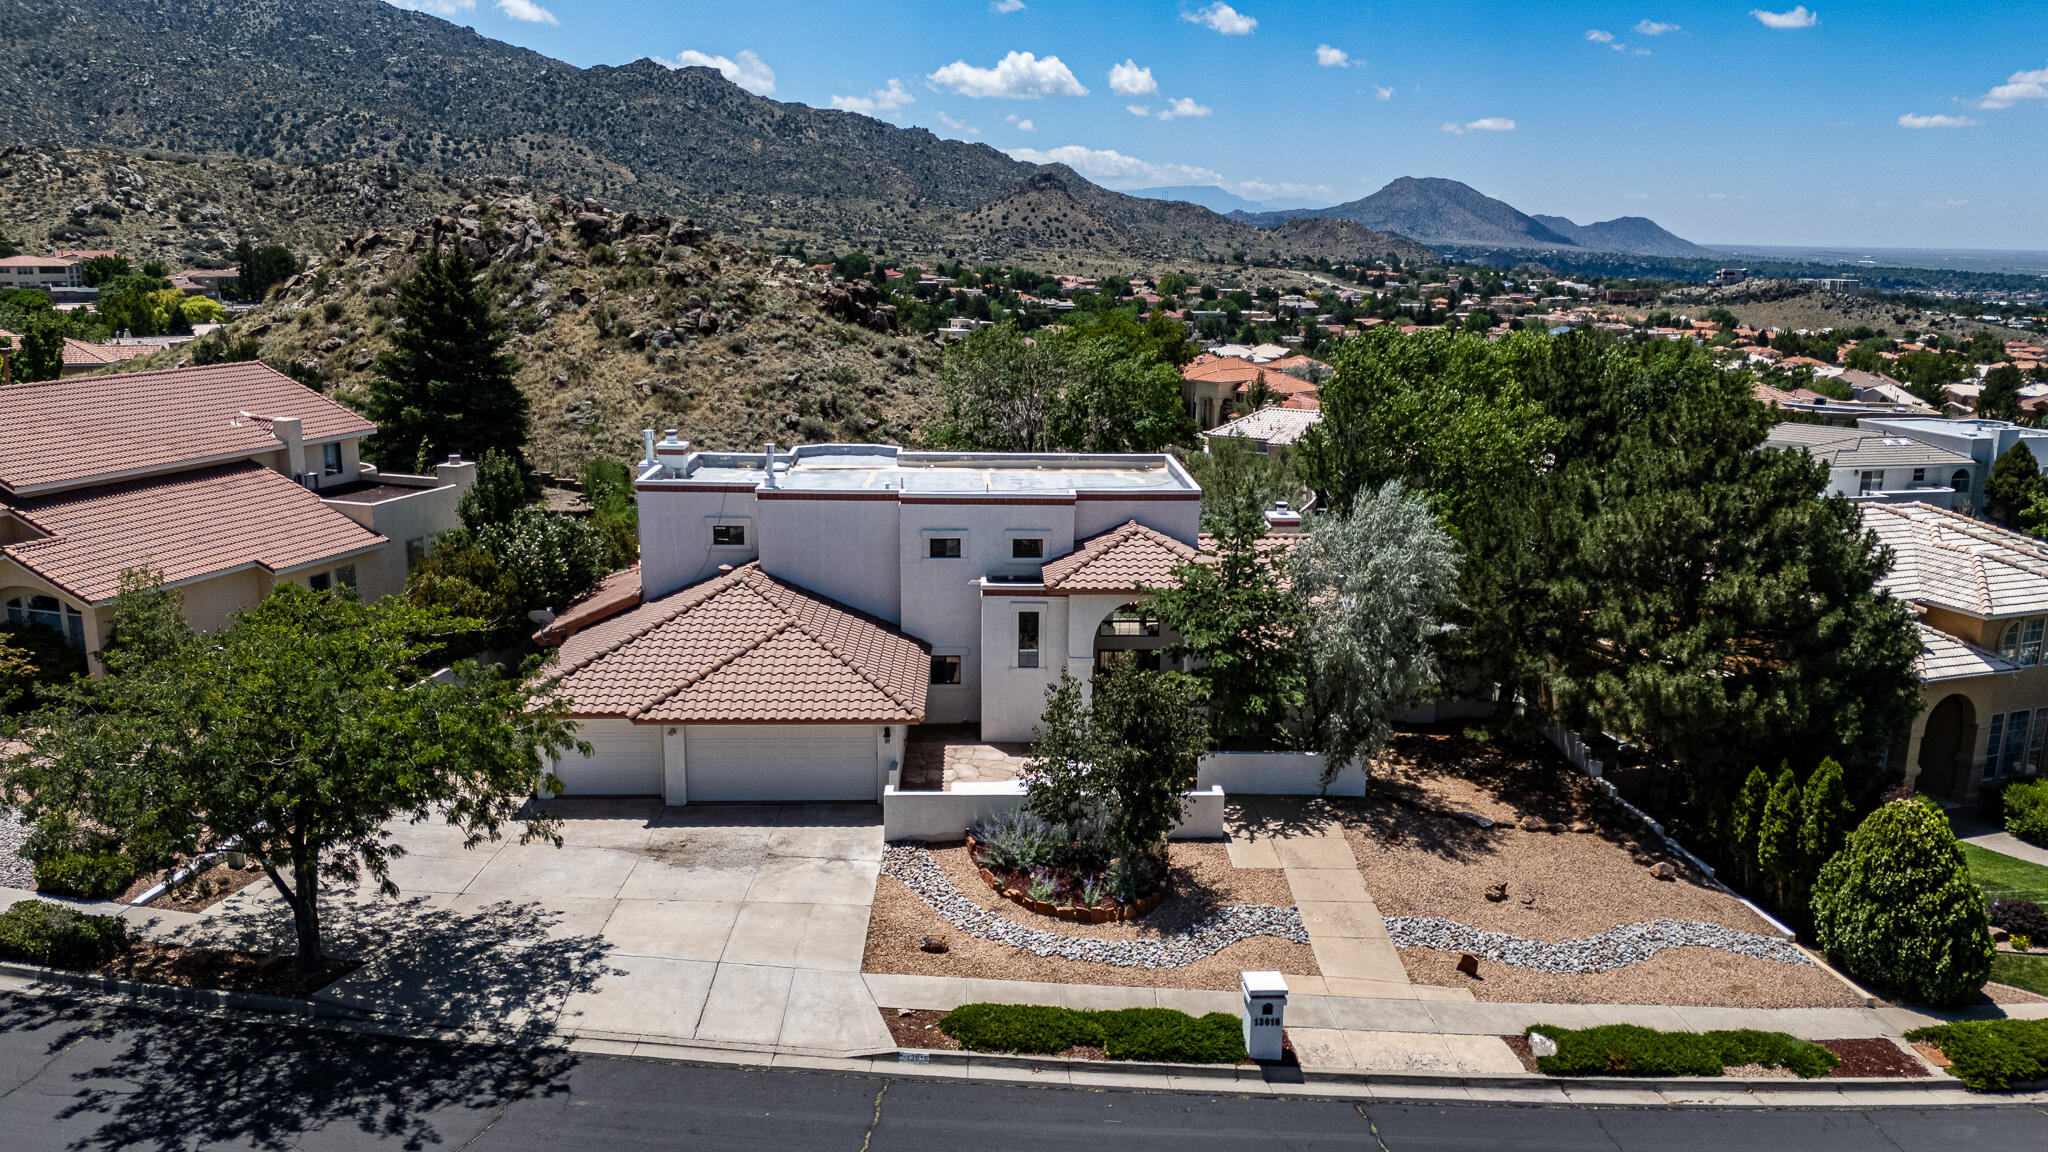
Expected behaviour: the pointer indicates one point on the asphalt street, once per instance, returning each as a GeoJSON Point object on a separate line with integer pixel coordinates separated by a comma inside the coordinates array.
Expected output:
{"type": "Point", "coordinates": [82, 1076]}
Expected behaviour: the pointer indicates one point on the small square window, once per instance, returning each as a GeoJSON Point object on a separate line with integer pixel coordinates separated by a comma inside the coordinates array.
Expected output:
{"type": "Point", "coordinates": [345, 575]}
{"type": "Point", "coordinates": [1027, 548]}
{"type": "Point", "coordinates": [321, 581]}
{"type": "Point", "coordinates": [945, 669]}
{"type": "Point", "coordinates": [728, 535]}
{"type": "Point", "coordinates": [1919, 475]}
{"type": "Point", "coordinates": [945, 548]}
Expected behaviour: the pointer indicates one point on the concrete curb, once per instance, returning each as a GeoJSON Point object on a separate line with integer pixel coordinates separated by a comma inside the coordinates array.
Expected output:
{"type": "Point", "coordinates": [178, 994]}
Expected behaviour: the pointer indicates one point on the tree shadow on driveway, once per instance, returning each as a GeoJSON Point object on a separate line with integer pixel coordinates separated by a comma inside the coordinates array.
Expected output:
{"type": "Point", "coordinates": [119, 1078]}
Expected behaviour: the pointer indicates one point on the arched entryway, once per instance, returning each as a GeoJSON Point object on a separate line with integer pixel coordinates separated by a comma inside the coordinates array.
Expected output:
{"type": "Point", "coordinates": [1130, 637]}
{"type": "Point", "coordinates": [1946, 747]}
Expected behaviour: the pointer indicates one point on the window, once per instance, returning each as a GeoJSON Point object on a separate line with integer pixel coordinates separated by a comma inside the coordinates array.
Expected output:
{"type": "Point", "coordinates": [1919, 476]}
{"type": "Point", "coordinates": [1871, 482]}
{"type": "Point", "coordinates": [728, 535]}
{"type": "Point", "coordinates": [330, 459]}
{"type": "Point", "coordinates": [1960, 481]}
{"type": "Point", "coordinates": [945, 548]}
{"type": "Point", "coordinates": [345, 576]}
{"type": "Point", "coordinates": [1027, 548]}
{"type": "Point", "coordinates": [2009, 642]}
{"type": "Point", "coordinates": [415, 552]}
{"type": "Point", "coordinates": [1129, 621]}
{"type": "Point", "coordinates": [1027, 639]}
{"type": "Point", "coordinates": [2013, 741]}
{"type": "Point", "coordinates": [320, 581]}
{"type": "Point", "coordinates": [945, 669]}
{"type": "Point", "coordinates": [2030, 643]}
{"type": "Point", "coordinates": [51, 613]}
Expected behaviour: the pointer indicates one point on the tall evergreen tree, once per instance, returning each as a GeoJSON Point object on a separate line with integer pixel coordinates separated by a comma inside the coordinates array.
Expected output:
{"type": "Point", "coordinates": [2015, 483]}
{"type": "Point", "coordinates": [445, 385]}
{"type": "Point", "coordinates": [1745, 817]}
{"type": "Point", "coordinates": [1826, 817]}
{"type": "Point", "coordinates": [2000, 399]}
{"type": "Point", "coordinates": [1777, 837]}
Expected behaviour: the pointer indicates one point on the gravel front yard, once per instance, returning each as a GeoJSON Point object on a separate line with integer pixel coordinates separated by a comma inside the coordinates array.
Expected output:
{"type": "Point", "coordinates": [1203, 880]}
{"type": "Point", "coordinates": [15, 870]}
{"type": "Point", "coordinates": [1420, 858]}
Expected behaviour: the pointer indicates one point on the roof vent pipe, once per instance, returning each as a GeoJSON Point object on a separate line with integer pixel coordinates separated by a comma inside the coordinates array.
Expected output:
{"type": "Point", "coordinates": [647, 437]}
{"type": "Point", "coordinates": [768, 462]}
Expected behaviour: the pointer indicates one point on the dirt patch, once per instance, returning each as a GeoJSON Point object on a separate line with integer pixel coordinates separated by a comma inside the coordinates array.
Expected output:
{"type": "Point", "coordinates": [1202, 881]}
{"type": "Point", "coordinates": [226, 971]}
{"type": "Point", "coordinates": [1692, 977]}
{"type": "Point", "coordinates": [2007, 994]}
{"type": "Point", "coordinates": [200, 892]}
{"type": "Point", "coordinates": [1872, 1056]}
{"type": "Point", "coordinates": [918, 1028]}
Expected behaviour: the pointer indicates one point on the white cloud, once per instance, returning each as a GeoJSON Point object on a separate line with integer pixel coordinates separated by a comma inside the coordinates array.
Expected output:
{"type": "Point", "coordinates": [1113, 168]}
{"type": "Point", "coordinates": [2017, 87]}
{"type": "Point", "coordinates": [527, 11]}
{"type": "Point", "coordinates": [1005, 7]}
{"type": "Point", "coordinates": [435, 7]}
{"type": "Point", "coordinates": [744, 68]}
{"type": "Point", "coordinates": [1022, 124]}
{"type": "Point", "coordinates": [1330, 57]}
{"type": "Point", "coordinates": [1598, 36]}
{"type": "Point", "coordinates": [1138, 109]}
{"type": "Point", "coordinates": [880, 100]}
{"type": "Point", "coordinates": [957, 126]}
{"type": "Point", "coordinates": [1127, 79]}
{"type": "Point", "coordinates": [1182, 106]}
{"type": "Point", "coordinates": [1383, 93]}
{"type": "Point", "coordinates": [1654, 28]}
{"type": "Point", "coordinates": [1223, 18]}
{"type": "Point", "coordinates": [1017, 76]}
{"type": "Point", "coordinates": [1797, 18]}
{"type": "Point", "coordinates": [1483, 124]}
{"type": "Point", "coordinates": [1909, 120]}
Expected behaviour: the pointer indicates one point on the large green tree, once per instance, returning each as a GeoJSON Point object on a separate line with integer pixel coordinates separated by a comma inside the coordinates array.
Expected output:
{"type": "Point", "coordinates": [2015, 483]}
{"type": "Point", "coordinates": [40, 354]}
{"type": "Point", "coordinates": [303, 729]}
{"type": "Point", "coordinates": [1106, 384]}
{"type": "Point", "coordinates": [446, 383]}
{"type": "Point", "coordinates": [2000, 399]}
{"type": "Point", "coordinates": [1121, 760]}
{"type": "Point", "coordinates": [259, 267]}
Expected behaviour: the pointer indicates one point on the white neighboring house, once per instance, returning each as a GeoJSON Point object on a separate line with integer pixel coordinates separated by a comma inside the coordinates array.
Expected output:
{"type": "Point", "coordinates": [799, 609]}
{"type": "Point", "coordinates": [1268, 428]}
{"type": "Point", "coordinates": [1871, 465]}
{"type": "Point", "coordinates": [1983, 441]}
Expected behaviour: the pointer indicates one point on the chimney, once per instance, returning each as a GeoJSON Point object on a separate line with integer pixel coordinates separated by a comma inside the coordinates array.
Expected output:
{"type": "Point", "coordinates": [287, 430]}
{"type": "Point", "coordinates": [1282, 520]}
{"type": "Point", "coordinates": [768, 462]}
{"type": "Point", "coordinates": [671, 453]}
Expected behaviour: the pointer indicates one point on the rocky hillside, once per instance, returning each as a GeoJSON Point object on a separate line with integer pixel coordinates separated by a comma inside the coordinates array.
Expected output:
{"type": "Point", "coordinates": [190, 211]}
{"type": "Point", "coordinates": [328, 81]}
{"type": "Point", "coordinates": [621, 321]}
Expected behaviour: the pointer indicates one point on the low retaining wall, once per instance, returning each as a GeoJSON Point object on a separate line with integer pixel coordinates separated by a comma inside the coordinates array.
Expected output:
{"type": "Point", "coordinates": [942, 816]}
{"type": "Point", "coordinates": [1275, 774]}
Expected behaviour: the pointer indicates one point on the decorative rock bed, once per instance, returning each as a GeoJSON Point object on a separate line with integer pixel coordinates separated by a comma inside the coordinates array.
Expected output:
{"type": "Point", "coordinates": [1617, 947]}
{"type": "Point", "coordinates": [914, 867]}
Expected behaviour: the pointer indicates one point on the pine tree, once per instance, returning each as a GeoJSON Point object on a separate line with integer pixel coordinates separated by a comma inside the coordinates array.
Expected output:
{"type": "Point", "coordinates": [445, 385]}
{"type": "Point", "coordinates": [1777, 836]}
{"type": "Point", "coordinates": [1743, 822]}
{"type": "Point", "coordinates": [2015, 484]}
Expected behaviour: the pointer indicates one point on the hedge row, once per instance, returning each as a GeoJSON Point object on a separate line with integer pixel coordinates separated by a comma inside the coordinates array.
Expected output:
{"type": "Point", "coordinates": [39, 932]}
{"type": "Point", "coordinates": [1630, 1050]}
{"type": "Point", "coordinates": [1988, 1055]}
{"type": "Point", "coordinates": [1161, 1034]}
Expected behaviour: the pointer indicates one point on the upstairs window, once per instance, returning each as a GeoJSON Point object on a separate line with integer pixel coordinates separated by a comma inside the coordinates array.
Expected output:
{"type": "Point", "coordinates": [330, 459]}
{"type": "Point", "coordinates": [1960, 481]}
{"type": "Point", "coordinates": [945, 548]}
{"type": "Point", "coordinates": [728, 535]}
{"type": "Point", "coordinates": [2030, 643]}
{"type": "Point", "coordinates": [945, 670]}
{"type": "Point", "coordinates": [1027, 548]}
{"type": "Point", "coordinates": [1027, 639]}
{"type": "Point", "coordinates": [1919, 477]}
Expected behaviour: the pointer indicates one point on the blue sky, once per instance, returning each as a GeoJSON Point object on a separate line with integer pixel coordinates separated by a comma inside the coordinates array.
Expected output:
{"type": "Point", "coordinates": [1886, 124]}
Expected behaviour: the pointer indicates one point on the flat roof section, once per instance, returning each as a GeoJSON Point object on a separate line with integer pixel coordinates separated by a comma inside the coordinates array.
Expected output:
{"type": "Point", "coordinates": [880, 468]}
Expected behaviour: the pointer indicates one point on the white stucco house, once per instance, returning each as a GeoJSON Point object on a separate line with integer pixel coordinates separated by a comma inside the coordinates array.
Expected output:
{"type": "Point", "coordinates": [799, 610]}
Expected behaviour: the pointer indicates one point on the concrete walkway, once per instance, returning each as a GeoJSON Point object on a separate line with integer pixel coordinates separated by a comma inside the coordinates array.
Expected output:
{"type": "Point", "coordinates": [2007, 844]}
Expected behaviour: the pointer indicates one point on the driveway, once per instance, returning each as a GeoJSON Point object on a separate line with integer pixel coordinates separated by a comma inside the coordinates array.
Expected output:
{"type": "Point", "coordinates": [737, 925]}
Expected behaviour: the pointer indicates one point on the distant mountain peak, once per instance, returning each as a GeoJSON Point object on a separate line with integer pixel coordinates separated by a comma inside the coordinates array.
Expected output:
{"type": "Point", "coordinates": [1436, 210]}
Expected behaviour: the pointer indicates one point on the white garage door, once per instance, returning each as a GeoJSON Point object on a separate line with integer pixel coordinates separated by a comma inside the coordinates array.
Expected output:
{"type": "Point", "coordinates": [794, 762]}
{"type": "Point", "coordinates": [624, 760]}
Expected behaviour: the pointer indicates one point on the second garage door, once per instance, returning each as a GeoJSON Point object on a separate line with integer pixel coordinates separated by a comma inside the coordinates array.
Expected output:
{"type": "Point", "coordinates": [624, 760]}
{"type": "Point", "coordinates": [793, 762]}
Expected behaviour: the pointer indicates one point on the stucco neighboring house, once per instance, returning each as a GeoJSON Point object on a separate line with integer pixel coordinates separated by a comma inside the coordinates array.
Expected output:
{"type": "Point", "coordinates": [1983, 441]}
{"type": "Point", "coordinates": [800, 609]}
{"type": "Point", "coordinates": [1981, 593]}
{"type": "Point", "coordinates": [1212, 383]}
{"type": "Point", "coordinates": [225, 480]}
{"type": "Point", "coordinates": [1268, 428]}
{"type": "Point", "coordinates": [1871, 465]}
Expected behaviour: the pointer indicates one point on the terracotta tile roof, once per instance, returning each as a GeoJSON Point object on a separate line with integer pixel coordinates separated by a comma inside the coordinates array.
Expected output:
{"type": "Point", "coordinates": [1122, 559]}
{"type": "Point", "coordinates": [613, 595]}
{"type": "Point", "coordinates": [1208, 366]}
{"type": "Point", "coordinates": [184, 526]}
{"type": "Point", "coordinates": [745, 648]}
{"type": "Point", "coordinates": [86, 354]}
{"type": "Point", "coordinates": [1947, 559]}
{"type": "Point", "coordinates": [77, 428]}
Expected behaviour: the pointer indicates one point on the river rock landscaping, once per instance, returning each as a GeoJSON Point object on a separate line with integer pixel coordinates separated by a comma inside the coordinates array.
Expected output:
{"type": "Point", "coordinates": [1217, 922]}
{"type": "Point", "coordinates": [1508, 854]}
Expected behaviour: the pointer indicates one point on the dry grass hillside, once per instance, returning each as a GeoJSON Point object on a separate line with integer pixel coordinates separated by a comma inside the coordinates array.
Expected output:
{"type": "Point", "coordinates": [621, 322]}
{"type": "Point", "coordinates": [1791, 305]}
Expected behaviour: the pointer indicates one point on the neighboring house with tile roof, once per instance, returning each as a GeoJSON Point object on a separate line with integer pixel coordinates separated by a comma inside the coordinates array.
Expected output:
{"type": "Point", "coordinates": [1981, 594]}
{"type": "Point", "coordinates": [791, 598]}
{"type": "Point", "coordinates": [81, 356]}
{"type": "Point", "coordinates": [224, 480]}
{"type": "Point", "coordinates": [1873, 465]}
{"type": "Point", "coordinates": [1269, 428]}
{"type": "Point", "coordinates": [1212, 383]}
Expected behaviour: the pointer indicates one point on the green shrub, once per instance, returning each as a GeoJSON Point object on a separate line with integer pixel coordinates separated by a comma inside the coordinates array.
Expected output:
{"type": "Point", "coordinates": [85, 875]}
{"type": "Point", "coordinates": [1897, 909]}
{"type": "Point", "coordinates": [39, 932]}
{"type": "Point", "coordinates": [2026, 811]}
{"type": "Point", "coordinates": [34, 657]}
{"type": "Point", "coordinates": [1988, 1055]}
{"type": "Point", "coordinates": [1161, 1034]}
{"type": "Point", "coordinates": [1631, 1050]}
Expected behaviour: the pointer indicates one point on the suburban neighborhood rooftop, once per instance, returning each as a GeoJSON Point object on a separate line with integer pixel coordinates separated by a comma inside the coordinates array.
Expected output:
{"type": "Point", "coordinates": [1947, 559]}
{"type": "Point", "coordinates": [883, 468]}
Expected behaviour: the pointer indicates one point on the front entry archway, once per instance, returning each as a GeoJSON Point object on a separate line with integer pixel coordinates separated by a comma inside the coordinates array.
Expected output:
{"type": "Point", "coordinates": [1946, 747]}
{"type": "Point", "coordinates": [1130, 637]}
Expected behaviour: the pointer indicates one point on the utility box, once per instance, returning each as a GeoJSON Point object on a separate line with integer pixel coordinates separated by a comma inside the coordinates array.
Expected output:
{"type": "Point", "coordinates": [1265, 1013]}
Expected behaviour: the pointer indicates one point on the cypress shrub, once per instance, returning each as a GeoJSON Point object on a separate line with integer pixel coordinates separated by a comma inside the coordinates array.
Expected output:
{"type": "Point", "coordinates": [1743, 822]}
{"type": "Point", "coordinates": [1777, 837]}
{"type": "Point", "coordinates": [1897, 909]}
{"type": "Point", "coordinates": [1825, 818]}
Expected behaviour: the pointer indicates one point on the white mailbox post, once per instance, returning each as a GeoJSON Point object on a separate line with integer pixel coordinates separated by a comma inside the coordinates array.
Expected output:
{"type": "Point", "coordinates": [1265, 1014]}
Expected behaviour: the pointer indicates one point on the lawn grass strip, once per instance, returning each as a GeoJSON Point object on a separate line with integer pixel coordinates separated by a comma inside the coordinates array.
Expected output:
{"type": "Point", "coordinates": [1617, 947]}
{"type": "Point", "coordinates": [914, 866]}
{"type": "Point", "coordinates": [1633, 1050]}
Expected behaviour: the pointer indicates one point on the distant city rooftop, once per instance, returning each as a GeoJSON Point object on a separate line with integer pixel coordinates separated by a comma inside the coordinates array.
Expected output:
{"type": "Point", "coordinates": [885, 468]}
